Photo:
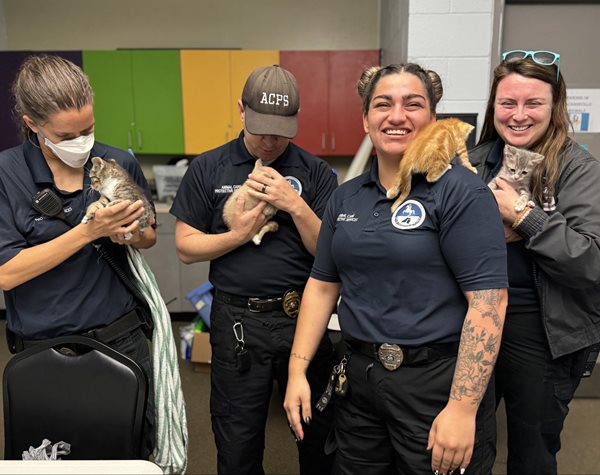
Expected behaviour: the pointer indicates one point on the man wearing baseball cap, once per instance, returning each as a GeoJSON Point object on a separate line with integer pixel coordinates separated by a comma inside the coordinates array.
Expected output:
{"type": "Point", "coordinates": [257, 287]}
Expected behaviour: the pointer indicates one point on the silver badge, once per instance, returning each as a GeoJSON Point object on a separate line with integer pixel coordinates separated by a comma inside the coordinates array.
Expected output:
{"type": "Point", "coordinates": [390, 356]}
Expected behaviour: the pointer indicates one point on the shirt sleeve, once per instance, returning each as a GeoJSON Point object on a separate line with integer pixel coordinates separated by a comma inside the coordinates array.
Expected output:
{"type": "Point", "coordinates": [472, 235]}
{"type": "Point", "coordinates": [11, 240]}
{"type": "Point", "coordinates": [326, 182]}
{"type": "Point", "coordinates": [324, 267]}
{"type": "Point", "coordinates": [193, 203]}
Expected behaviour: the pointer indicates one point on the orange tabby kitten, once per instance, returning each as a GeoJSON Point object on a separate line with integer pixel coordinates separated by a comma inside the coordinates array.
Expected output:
{"type": "Point", "coordinates": [430, 153]}
{"type": "Point", "coordinates": [250, 202]}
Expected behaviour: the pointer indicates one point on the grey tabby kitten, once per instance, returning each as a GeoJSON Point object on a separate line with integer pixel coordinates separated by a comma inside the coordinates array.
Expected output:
{"type": "Point", "coordinates": [250, 203]}
{"type": "Point", "coordinates": [115, 185]}
{"type": "Point", "coordinates": [517, 167]}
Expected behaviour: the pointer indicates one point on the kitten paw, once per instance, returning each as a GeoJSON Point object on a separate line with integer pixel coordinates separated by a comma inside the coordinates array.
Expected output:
{"type": "Point", "coordinates": [257, 240]}
{"type": "Point", "coordinates": [127, 236]}
{"type": "Point", "coordinates": [392, 193]}
{"type": "Point", "coordinates": [86, 219]}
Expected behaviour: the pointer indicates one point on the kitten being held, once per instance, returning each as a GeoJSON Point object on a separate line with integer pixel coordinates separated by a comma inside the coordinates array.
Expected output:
{"type": "Point", "coordinates": [430, 153]}
{"type": "Point", "coordinates": [249, 203]}
{"type": "Point", "coordinates": [517, 167]}
{"type": "Point", "coordinates": [115, 185]}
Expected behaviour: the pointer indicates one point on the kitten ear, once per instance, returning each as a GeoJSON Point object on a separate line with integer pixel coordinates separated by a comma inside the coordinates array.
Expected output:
{"type": "Point", "coordinates": [466, 129]}
{"type": "Point", "coordinates": [509, 150]}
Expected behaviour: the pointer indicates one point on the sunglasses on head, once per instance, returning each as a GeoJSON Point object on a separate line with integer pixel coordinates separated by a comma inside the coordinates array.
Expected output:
{"type": "Point", "coordinates": [545, 58]}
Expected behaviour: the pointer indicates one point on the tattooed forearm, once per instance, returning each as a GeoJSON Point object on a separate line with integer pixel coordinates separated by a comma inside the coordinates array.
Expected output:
{"type": "Point", "coordinates": [475, 362]}
{"type": "Point", "coordinates": [479, 344]}
{"type": "Point", "coordinates": [486, 302]}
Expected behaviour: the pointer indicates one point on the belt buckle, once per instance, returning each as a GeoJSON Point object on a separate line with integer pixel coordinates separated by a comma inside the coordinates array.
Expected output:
{"type": "Point", "coordinates": [253, 300]}
{"type": "Point", "coordinates": [390, 356]}
{"type": "Point", "coordinates": [291, 303]}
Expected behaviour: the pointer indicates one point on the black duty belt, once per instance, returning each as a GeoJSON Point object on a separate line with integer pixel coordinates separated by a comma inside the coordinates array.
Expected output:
{"type": "Point", "coordinates": [392, 356]}
{"type": "Point", "coordinates": [289, 302]}
{"type": "Point", "coordinates": [122, 326]}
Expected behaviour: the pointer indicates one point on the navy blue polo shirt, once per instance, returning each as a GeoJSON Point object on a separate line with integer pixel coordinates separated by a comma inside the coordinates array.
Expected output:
{"type": "Point", "coordinates": [404, 274]}
{"type": "Point", "coordinates": [281, 262]}
{"type": "Point", "coordinates": [79, 294]}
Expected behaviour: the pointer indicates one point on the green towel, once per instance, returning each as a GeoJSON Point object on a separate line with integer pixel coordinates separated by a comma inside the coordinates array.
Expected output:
{"type": "Point", "coordinates": [170, 452]}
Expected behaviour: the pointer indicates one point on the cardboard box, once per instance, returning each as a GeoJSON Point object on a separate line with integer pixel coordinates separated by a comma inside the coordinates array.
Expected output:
{"type": "Point", "coordinates": [201, 350]}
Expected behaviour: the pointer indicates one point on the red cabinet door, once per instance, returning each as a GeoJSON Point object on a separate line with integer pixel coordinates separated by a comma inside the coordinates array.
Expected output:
{"type": "Point", "coordinates": [330, 117]}
{"type": "Point", "coordinates": [345, 106]}
{"type": "Point", "coordinates": [310, 69]}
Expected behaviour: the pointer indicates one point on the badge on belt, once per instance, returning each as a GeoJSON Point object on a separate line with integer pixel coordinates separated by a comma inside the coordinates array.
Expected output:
{"type": "Point", "coordinates": [291, 303]}
{"type": "Point", "coordinates": [390, 356]}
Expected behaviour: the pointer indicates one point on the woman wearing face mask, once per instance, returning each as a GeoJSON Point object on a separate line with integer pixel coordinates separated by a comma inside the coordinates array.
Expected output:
{"type": "Point", "coordinates": [423, 300]}
{"type": "Point", "coordinates": [553, 314]}
{"type": "Point", "coordinates": [54, 281]}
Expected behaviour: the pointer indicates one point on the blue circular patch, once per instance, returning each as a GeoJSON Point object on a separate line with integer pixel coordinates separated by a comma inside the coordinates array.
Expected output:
{"type": "Point", "coordinates": [409, 215]}
{"type": "Point", "coordinates": [296, 185]}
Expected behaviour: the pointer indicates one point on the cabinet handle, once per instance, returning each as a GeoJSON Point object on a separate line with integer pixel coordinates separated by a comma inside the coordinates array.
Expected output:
{"type": "Point", "coordinates": [139, 139]}
{"type": "Point", "coordinates": [332, 140]}
{"type": "Point", "coordinates": [129, 145]}
{"type": "Point", "coordinates": [323, 141]}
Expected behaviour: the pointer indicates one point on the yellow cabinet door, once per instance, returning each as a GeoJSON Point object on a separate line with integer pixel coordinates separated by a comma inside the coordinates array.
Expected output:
{"type": "Point", "coordinates": [212, 83]}
{"type": "Point", "coordinates": [205, 90]}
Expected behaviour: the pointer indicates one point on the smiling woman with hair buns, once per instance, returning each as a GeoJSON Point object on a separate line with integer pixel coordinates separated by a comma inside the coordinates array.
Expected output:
{"type": "Point", "coordinates": [422, 302]}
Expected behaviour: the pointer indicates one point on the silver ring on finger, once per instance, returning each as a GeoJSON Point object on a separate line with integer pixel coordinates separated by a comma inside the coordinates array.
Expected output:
{"type": "Point", "coordinates": [264, 188]}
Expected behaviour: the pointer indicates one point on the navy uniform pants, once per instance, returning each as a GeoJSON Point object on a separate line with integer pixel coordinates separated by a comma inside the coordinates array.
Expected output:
{"type": "Point", "coordinates": [537, 391]}
{"type": "Point", "coordinates": [382, 425]}
{"type": "Point", "coordinates": [135, 346]}
{"type": "Point", "coordinates": [239, 401]}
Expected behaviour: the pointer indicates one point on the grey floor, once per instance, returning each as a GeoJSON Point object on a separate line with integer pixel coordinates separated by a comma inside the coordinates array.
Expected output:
{"type": "Point", "coordinates": [581, 437]}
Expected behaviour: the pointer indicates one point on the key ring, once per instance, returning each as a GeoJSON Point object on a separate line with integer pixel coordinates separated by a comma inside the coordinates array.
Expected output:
{"type": "Point", "coordinates": [238, 332]}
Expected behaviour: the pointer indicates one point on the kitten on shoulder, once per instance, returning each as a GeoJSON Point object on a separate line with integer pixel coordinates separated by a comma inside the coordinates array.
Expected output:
{"type": "Point", "coordinates": [250, 202]}
{"type": "Point", "coordinates": [517, 167]}
{"type": "Point", "coordinates": [430, 153]}
{"type": "Point", "coordinates": [115, 185]}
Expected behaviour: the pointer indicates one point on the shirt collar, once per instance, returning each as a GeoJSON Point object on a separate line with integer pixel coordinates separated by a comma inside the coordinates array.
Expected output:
{"type": "Point", "coordinates": [40, 171]}
{"type": "Point", "coordinates": [371, 178]}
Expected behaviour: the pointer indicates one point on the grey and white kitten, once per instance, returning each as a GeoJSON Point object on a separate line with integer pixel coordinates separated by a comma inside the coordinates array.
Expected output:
{"type": "Point", "coordinates": [517, 167]}
{"type": "Point", "coordinates": [249, 203]}
{"type": "Point", "coordinates": [115, 185]}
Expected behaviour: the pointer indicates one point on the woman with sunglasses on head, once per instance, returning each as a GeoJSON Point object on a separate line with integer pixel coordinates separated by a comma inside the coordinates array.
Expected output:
{"type": "Point", "coordinates": [553, 246]}
{"type": "Point", "coordinates": [423, 295]}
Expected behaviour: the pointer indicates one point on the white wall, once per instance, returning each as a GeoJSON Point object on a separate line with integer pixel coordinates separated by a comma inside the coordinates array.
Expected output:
{"type": "Point", "coordinates": [247, 24]}
{"type": "Point", "coordinates": [2, 27]}
{"type": "Point", "coordinates": [456, 39]}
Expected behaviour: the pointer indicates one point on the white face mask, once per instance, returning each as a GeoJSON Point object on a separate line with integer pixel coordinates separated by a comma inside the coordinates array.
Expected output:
{"type": "Point", "coordinates": [74, 152]}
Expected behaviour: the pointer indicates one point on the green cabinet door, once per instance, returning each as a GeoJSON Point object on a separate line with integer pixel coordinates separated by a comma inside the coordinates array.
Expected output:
{"type": "Point", "coordinates": [137, 99]}
{"type": "Point", "coordinates": [156, 78]}
{"type": "Point", "coordinates": [109, 73]}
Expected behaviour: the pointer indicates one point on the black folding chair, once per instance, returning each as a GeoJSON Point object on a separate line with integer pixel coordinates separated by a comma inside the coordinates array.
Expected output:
{"type": "Point", "coordinates": [77, 390]}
